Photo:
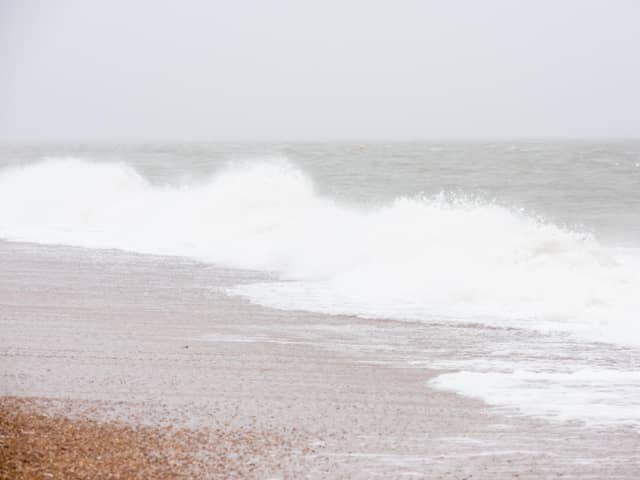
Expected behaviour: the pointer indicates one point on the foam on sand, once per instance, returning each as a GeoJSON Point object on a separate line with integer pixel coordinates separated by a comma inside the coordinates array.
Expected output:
{"type": "Point", "coordinates": [594, 395]}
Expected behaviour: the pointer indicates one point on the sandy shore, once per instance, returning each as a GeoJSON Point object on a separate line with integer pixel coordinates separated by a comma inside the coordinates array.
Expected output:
{"type": "Point", "coordinates": [113, 346]}
{"type": "Point", "coordinates": [37, 445]}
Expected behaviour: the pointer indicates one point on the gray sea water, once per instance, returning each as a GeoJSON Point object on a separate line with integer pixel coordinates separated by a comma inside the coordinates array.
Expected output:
{"type": "Point", "coordinates": [590, 186]}
{"type": "Point", "coordinates": [538, 239]}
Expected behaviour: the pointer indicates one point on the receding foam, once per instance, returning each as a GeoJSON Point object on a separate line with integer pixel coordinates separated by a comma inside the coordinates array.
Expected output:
{"type": "Point", "coordinates": [594, 395]}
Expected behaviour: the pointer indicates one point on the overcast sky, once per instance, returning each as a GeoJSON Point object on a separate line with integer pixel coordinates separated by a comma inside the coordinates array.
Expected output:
{"type": "Point", "coordinates": [237, 69]}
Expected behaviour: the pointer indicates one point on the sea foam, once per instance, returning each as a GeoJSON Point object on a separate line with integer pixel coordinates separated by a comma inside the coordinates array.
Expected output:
{"type": "Point", "coordinates": [593, 395]}
{"type": "Point", "coordinates": [420, 258]}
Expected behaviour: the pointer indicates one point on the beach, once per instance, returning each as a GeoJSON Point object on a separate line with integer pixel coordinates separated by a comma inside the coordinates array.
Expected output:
{"type": "Point", "coordinates": [125, 340]}
{"type": "Point", "coordinates": [347, 240]}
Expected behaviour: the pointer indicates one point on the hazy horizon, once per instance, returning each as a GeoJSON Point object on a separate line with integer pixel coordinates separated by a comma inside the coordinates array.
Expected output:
{"type": "Point", "coordinates": [95, 72]}
{"type": "Point", "coordinates": [141, 142]}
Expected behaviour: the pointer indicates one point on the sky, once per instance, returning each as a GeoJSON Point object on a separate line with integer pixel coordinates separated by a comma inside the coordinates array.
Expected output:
{"type": "Point", "coordinates": [83, 70]}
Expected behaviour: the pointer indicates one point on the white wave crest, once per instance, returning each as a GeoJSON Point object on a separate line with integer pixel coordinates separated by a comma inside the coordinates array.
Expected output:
{"type": "Point", "coordinates": [415, 258]}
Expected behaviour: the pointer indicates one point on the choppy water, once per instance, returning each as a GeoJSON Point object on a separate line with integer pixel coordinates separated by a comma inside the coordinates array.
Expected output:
{"type": "Point", "coordinates": [534, 236]}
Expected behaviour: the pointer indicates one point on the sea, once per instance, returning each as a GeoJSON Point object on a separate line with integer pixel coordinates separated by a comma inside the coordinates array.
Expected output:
{"type": "Point", "coordinates": [523, 256]}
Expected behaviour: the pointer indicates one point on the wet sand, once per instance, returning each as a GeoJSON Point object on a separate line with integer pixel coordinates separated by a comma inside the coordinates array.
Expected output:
{"type": "Point", "coordinates": [123, 342]}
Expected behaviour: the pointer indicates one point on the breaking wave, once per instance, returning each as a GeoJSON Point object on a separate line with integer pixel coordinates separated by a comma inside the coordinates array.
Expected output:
{"type": "Point", "coordinates": [418, 258]}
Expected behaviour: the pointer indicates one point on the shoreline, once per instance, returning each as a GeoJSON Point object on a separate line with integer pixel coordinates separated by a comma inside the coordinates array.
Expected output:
{"type": "Point", "coordinates": [133, 340]}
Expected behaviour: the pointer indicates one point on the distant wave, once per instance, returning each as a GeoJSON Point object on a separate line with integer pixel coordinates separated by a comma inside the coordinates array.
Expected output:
{"type": "Point", "coordinates": [416, 258]}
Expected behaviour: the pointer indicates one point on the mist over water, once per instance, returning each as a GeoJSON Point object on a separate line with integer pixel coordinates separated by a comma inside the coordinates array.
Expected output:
{"type": "Point", "coordinates": [542, 237]}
